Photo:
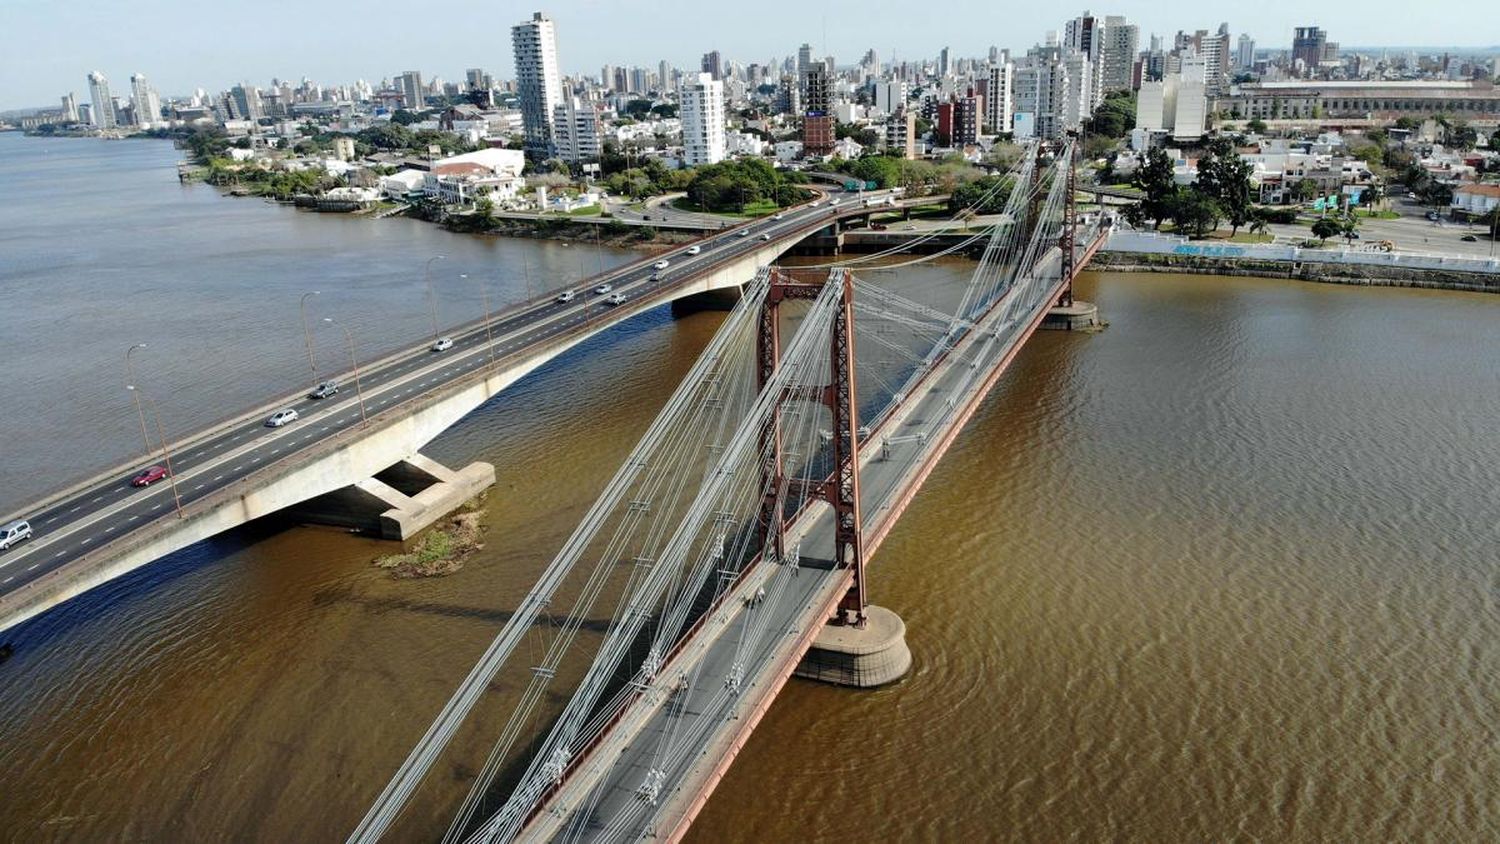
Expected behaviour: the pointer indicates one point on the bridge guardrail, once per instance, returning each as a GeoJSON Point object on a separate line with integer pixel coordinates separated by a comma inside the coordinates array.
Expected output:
{"type": "Point", "coordinates": [463, 329]}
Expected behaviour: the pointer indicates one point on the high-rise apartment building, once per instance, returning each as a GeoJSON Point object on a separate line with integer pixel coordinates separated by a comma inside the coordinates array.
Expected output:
{"type": "Point", "coordinates": [713, 64]}
{"type": "Point", "coordinates": [247, 102]}
{"type": "Point", "coordinates": [144, 102]}
{"type": "Point", "coordinates": [901, 133]}
{"type": "Point", "coordinates": [538, 81]}
{"type": "Point", "coordinates": [103, 102]}
{"type": "Point", "coordinates": [1053, 90]}
{"type": "Point", "coordinates": [817, 111]}
{"type": "Point", "coordinates": [1244, 53]}
{"type": "Point", "coordinates": [1121, 41]}
{"type": "Point", "coordinates": [1307, 47]}
{"type": "Point", "coordinates": [69, 108]}
{"type": "Point", "coordinates": [890, 95]}
{"type": "Point", "coordinates": [1000, 96]}
{"type": "Point", "coordinates": [575, 129]}
{"type": "Point", "coordinates": [413, 95]}
{"type": "Point", "coordinates": [702, 113]}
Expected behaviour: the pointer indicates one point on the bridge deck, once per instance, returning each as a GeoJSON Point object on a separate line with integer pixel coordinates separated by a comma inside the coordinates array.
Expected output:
{"type": "Point", "coordinates": [83, 532]}
{"type": "Point", "coordinates": [691, 734]}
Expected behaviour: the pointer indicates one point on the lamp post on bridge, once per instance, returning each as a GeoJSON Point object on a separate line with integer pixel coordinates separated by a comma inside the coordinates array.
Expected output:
{"type": "Point", "coordinates": [166, 454]}
{"type": "Point", "coordinates": [358, 391]}
{"type": "Point", "coordinates": [484, 296]}
{"type": "Point", "coordinates": [307, 333]}
{"type": "Point", "coordinates": [431, 296]}
{"type": "Point", "coordinates": [130, 385]}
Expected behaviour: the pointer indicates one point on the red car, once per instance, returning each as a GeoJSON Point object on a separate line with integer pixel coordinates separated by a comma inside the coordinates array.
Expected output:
{"type": "Point", "coordinates": [148, 476]}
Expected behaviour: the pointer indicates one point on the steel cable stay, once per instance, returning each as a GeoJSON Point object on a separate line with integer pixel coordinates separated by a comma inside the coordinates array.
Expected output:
{"type": "Point", "coordinates": [624, 631]}
{"type": "Point", "coordinates": [412, 770]}
{"type": "Point", "coordinates": [675, 470]}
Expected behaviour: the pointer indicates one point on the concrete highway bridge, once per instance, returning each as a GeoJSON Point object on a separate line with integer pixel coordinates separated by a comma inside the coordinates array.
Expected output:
{"type": "Point", "coordinates": [354, 458]}
{"type": "Point", "coordinates": [728, 552]}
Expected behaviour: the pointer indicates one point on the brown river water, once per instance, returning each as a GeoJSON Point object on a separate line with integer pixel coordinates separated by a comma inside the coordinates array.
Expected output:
{"type": "Point", "coordinates": [1226, 570]}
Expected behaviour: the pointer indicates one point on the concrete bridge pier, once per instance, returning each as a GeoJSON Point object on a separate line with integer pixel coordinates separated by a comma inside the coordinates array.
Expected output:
{"type": "Point", "coordinates": [860, 657]}
{"type": "Point", "coordinates": [1077, 315]}
{"type": "Point", "coordinates": [400, 501]}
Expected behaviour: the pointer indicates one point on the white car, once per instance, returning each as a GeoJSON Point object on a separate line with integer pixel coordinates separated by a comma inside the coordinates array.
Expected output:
{"type": "Point", "coordinates": [662, 264]}
{"type": "Point", "coordinates": [603, 289]}
{"type": "Point", "coordinates": [694, 250]}
{"type": "Point", "coordinates": [442, 344]}
{"type": "Point", "coordinates": [281, 417]}
{"type": "Point", "coordinates": [778, 216]}
{"type": "Point", "coordinates": [816, 203]}
{"type": "Point", "coordinates": [617, 299]}
{"type": "Point", "coordinates": [744, 232]}
{"type": "Point", "coordinates": [566, 296]}
{"type": "Point", "coordinates": [832, 202]}
{"type": "Point", "coordinates": [766, 236]}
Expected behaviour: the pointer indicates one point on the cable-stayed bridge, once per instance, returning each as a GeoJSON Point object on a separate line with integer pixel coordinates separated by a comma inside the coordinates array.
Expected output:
{"type": "Point", "coordinates": [735, 536]}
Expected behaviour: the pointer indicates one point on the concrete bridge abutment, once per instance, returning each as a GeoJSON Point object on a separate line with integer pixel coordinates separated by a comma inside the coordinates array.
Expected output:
{"type": "Point", "coordinates": [400, 501]}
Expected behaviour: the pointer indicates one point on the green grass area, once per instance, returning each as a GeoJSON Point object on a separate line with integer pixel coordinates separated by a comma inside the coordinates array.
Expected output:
{"type": "Point", "coordinates": [760, 208]}
{"type": "Point", "coordinates": [1377, 215]}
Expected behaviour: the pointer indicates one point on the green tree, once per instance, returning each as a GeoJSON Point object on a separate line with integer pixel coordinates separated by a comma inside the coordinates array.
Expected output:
{"type": "Point", "coordinates": [1349, 227]}
{"type": "Point", "coordinates": [1155, 178]}
{"type": "Point", "coordinates": [1256, 125]}
{"type": "Point", "coordinates": [986, 195]}
{"type": "Point", "coordinates": [1326, 227]}
{"type": "Point", "coordinates": [1115, 117]}
{"type": "Point", "coordinates": [1195, 212]}
{"type": "Point", "coordinates": [1225, 177]}
{"type": "Point", "coordinates": [405, 117]}
{"type": "Point", "coordinates": [1305, 189]}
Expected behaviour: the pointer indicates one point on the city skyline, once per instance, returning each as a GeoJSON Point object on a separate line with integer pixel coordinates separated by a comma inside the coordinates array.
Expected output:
{"type": "Point", "coordinates": [48, 60]}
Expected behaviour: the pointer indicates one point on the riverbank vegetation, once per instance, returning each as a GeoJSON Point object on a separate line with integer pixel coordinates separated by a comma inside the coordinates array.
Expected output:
{"type": "Point", "coordinates": [441, 551]}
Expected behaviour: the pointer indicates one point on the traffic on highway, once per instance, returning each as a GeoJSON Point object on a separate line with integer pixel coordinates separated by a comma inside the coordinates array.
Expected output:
{"type": "Point", "coordinates": [79, 522]}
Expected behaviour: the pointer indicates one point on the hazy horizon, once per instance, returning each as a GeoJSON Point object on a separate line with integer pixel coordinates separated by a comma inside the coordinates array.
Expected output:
{"type": "Point", "coordinates": [181, 46]}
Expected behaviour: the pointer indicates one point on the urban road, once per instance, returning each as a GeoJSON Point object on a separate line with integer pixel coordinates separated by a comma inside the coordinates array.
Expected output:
{"type": "Point", "coordinates": [70, 526]}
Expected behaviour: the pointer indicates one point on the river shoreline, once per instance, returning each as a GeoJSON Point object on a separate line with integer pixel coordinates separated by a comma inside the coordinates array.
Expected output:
{"type": "Point", "coordinates": [1310, 271]}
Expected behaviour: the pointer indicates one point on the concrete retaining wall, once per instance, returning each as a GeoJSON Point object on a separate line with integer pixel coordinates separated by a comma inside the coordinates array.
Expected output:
{"type": "Point", "coordinates": [1129, 251]}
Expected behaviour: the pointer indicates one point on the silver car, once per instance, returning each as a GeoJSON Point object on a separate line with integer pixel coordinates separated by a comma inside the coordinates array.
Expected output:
{"type": "Point", "coordinates": [13, 533]}
{"type": "Point", "coordinates": [281, 417]}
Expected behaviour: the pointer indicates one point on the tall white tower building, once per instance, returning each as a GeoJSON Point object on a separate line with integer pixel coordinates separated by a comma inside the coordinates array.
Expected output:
{"type": "Point", "coordinates": [702, 120]}
{"type": "Point", "coordinates": [143, 98]}
{"type": "Point", "coordinates": [104, 104]}
{"type": "Point", "coordinates": [538, 82]}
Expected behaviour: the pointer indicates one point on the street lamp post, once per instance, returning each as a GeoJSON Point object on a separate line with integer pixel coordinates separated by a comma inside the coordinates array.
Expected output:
{"type": "Point", "coordinates": [484, 296]}
{"type": "Point", "coordinates": [130, 385]}
{"type": "Point", "coordinates": [307, 333]}
{"type": "Point", "coordinates": [358, 391]}
{"type": "Point", "coordinates": [166, 455]}
{"type": "Point", "coordinates": [432, 297]}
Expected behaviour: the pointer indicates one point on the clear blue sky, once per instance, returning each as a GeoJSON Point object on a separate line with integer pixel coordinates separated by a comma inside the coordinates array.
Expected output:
{"type": "Point", "coordinates": [51, 45]}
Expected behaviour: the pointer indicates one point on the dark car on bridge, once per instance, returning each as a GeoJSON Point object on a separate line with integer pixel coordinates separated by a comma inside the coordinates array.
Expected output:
{"type": "Point", "coordinates": [324, 390]}
{"type": "Point", "coordinates": [148, 476]}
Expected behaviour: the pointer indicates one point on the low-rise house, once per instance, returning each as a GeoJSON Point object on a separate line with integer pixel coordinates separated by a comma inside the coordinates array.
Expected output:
{"type": "Point", "coordinates": [1474, 201]}
{"type": "Point", "coordinates": [400, 185]}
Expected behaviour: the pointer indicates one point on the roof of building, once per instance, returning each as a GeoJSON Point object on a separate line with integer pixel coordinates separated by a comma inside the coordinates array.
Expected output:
{"type": "Point", "coordinates": [1481, 190]}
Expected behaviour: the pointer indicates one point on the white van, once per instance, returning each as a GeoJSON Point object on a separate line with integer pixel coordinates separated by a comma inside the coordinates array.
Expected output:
{"type": "Point", "coordinates": [13, 533]}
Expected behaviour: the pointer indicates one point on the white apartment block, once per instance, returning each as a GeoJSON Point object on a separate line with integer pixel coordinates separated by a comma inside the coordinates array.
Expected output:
{"type": "Point", "coordinates": [1000, 97]}
{"type": "Point", "coordinates": [575, 130]}
{"type": "Point", "coordinates": [538, 81]}
{"type": "Point", "coordinates": [702, 110]}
